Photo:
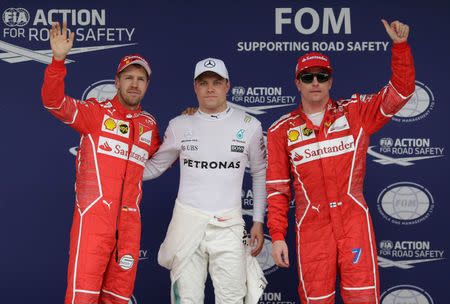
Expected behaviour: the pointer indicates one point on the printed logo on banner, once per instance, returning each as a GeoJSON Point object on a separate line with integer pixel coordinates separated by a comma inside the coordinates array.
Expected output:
{"type": "Point", "coordinates": [132, 300]}
{"type": "Point", "coordinates": [326, 21]}
{"type": "Point", "coordinates": [100, 90]}
{"type": "Point", "coordinates": [267, 98]}
{"type": "Point", "coordinates": [406, 254]}
{"type": "Point", "coordinates": [266, 95]}
{"type": "Point", "coordinates": [405, 203]}
{"type": "Point", "coordinates": [16, 17]}
{"type": "Point", "coordinates": [418, 107]}
{"type": "Point", "coordinates": [144, 255]}
{"type": "Point", "coordinates": [89, 25]}
{"type": "Point", "coordinates": [406, 294]}
{"type": "Point", "coordinates": [274, 297]}
{"type": "Point", "coordinates": [247, 202]}
{"type": "Point", "coordinates": [404, 151]}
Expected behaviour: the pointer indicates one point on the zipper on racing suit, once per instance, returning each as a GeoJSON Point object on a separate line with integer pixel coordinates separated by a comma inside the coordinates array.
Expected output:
{"type": "Point", "coordinates": [130, 146]}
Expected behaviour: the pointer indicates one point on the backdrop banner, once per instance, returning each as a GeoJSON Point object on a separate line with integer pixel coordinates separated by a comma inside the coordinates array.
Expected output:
{"type": "Point", "coordinates": [407, 175]}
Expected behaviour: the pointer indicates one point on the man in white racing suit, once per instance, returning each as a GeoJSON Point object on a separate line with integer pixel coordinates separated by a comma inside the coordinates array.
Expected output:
{"type": "Point", "coordinates": [207, 229]}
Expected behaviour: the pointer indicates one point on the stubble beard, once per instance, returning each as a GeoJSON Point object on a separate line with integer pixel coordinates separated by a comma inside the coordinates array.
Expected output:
{"type": "Point", "coordinates": [131, 102]}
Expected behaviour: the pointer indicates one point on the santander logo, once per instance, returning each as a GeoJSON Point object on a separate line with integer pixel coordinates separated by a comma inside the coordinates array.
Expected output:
{"type": "Point", "coordinates": [318, 150]}
{"type": "Point", "coordinates": [298, 157]}
{"type": "Point", "coordinates": [105, 147]}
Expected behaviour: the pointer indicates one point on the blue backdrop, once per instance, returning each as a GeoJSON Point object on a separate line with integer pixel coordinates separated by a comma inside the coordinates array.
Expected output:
{"type": "Point", "coordinates": [406, 186]}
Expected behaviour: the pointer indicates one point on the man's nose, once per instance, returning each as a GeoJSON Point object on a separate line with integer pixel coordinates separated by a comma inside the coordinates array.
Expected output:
{"type": "Point", "coordinates": [315, 81]}
{"type": "Point", "coordinates": [134, 82]}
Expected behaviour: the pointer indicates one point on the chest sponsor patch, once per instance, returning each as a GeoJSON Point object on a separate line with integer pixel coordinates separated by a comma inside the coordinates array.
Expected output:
{"type": "Point", "coordinates": [138, 156]}
{"type": "Point", "coordinates": [318, 150]}
{"type": "Point", "coordinates": [339, 124]}
{"type": "Point", "coordinates": [298, 134]}
{"type": "Point", "coordinates": [116, 126]}
{"type": "Point", "coordinates": [236, 148]}
{"type": "Point", "coordinates": [119, 149]}
{"type": "Point", "coordinates": [146, 137]}
{"type": "Point", "coordinates": [112, 147]}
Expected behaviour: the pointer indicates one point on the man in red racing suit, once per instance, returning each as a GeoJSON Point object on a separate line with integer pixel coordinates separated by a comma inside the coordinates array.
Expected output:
{"type": "Point", "coordinates": [324, 159]}
{"type": "Point", "coordinates": [117, 138]}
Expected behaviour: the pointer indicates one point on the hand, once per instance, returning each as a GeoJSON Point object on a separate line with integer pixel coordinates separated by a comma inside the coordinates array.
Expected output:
{"type": "Point", "coordinates": [396, 30]}
{"type": "Point", "coordinates": [256, 233]}
{"type": "Point", "coordinates": [280, 253]}
{"type": "Point", "coordinates": [189, 111]}
{"type": "Point", "coordinates": [59, 42]}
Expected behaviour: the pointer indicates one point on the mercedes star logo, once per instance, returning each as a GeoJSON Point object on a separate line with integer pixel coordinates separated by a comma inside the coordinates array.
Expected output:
{"type": "Point", "coordinates": [210, 64]}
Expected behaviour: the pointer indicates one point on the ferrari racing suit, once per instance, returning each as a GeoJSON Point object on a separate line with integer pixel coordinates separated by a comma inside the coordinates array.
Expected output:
{"type": "Point", "coordinates": [326, 166]}
{"type": "Point", "coordinates": [114, 146]}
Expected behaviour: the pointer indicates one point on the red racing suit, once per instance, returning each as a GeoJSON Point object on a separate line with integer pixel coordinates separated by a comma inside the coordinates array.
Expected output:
{"type": "Point", "coordinates": [326, 166]}
{"type": "Point", "coordinates": [114, 146]}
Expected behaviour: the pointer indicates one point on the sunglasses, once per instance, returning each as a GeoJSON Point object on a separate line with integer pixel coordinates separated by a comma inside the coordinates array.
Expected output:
{"type": "Point", "coordinates": [321, 77]}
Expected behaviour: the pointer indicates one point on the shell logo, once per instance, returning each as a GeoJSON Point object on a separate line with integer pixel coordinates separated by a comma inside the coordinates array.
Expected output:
{"type": "Point", "coordinates": [293, 135]}
{"type": "Point", "coordinates": [110, 124]}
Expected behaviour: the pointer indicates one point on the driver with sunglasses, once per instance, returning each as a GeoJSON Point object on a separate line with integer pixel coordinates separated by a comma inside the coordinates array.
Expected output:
{"type": "Point", "coordinates": [320, 150]}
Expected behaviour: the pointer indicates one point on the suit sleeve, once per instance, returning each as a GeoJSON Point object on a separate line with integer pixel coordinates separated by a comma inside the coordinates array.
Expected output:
{"type": "Point", "coordinates": [278, 183]}
{"type": "Point", "coordinates": [156, 141]}
{"type": "Point", "coordinates": [257, 160]}
{"type": "Point", "coordinates": [377, 109]}
{"type": "Point", "coordinates": [79, 115]}
{"type": "Point", "coordinates": [166, 155]}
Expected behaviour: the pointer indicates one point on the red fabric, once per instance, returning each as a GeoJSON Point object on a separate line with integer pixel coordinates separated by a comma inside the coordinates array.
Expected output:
{"type": "Point", "coordinates": [326, 167]}
{"type": "Point", "coordinates": [312, 60]}
{"type": "Point", "coordinates": [108, 189]}
{"type": "Point", "coordinates": [133, 59]}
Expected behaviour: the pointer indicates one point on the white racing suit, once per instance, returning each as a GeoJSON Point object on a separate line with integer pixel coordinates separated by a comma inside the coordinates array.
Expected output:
{"type": "Point", "coordinates": [192, 236]}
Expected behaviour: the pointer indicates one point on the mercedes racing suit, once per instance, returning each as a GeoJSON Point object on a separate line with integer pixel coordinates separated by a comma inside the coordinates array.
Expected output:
{"type": "Point", "coordinates": [114, 146]}
{"type": "Point", "coordinates": [214, 150]}
{"type": "Point", "coordinates": [326, 167]}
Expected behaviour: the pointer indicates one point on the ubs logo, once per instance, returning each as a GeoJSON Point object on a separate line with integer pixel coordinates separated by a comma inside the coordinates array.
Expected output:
{"type": "Point", "coordinates": [189, 147]}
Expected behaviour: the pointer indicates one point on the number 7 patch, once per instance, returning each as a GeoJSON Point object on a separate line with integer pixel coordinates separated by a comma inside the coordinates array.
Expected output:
{"type": "Point", "coordinates": [357, 252]}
